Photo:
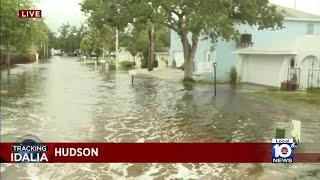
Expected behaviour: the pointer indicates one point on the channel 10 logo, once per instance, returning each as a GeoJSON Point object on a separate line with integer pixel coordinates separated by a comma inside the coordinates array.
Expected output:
{"type": "Point", "coordinates": [282, 150]}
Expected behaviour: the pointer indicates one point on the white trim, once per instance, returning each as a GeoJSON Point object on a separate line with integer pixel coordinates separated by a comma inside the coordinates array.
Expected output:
{"type": "Point", "coordinates": [302, 19]}
{"type": "Point", "coordinates": [267, 52]}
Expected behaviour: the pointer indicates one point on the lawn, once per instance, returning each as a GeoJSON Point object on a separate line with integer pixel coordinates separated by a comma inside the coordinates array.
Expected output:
{"type": "Point", "coordinates": [300, 99]}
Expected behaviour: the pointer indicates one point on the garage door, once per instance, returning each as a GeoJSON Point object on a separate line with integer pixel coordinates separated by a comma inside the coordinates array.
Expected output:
{"type": "Point", "coordinates": [263, 69]}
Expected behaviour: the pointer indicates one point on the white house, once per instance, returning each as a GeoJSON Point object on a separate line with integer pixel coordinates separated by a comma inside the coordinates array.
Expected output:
{"type": "Point", "coordinates": [124, 55]}
{"type": "Point", "coordinates": [269, 65]}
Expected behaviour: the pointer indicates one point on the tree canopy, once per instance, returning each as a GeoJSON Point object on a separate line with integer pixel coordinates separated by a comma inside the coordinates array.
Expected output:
{"type": "Point", "coordinates": [20, 35]}
{"type": "Point", "coordinates": [69, 37]}
{"type": "Point", "coordinates": [192, 20]}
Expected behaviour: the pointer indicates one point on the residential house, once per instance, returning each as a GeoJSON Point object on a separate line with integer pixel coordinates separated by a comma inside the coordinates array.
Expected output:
{"type": "Point", "coordinates": [296, 24]}
{"type": "Point", "coordinates": [295, 61]}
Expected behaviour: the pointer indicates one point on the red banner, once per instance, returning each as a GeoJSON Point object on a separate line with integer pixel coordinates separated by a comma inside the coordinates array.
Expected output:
{"type": "Point", "coordinates": [154, 153]}
{"type": "Point", "coordinates": [30, 13]}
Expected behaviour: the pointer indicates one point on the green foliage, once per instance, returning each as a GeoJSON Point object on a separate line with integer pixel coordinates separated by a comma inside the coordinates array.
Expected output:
{"type": "Point", "coordinates": [126, 65]}
{"type": "Point", "coordinates": [97, 40]}
{"type": "Point", "coordinates": [98, 50]}
{"type": "Point", "coordinates": [69, 38]}
{"type": "Point", "coordinates": [198, 18]}
{"type": "Point", "coordinates": [19, 35]}
{"type": "Point", "coordinates": [86, 44]}
{"type": "Point", "coordinates": [233, 75]}
{"type": "Point", "coordinates": [138, 42]}
{"type": "Point", "coordinates": [103, 38]}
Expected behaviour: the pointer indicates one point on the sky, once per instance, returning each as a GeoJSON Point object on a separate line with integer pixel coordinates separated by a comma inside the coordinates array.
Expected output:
{"type": "Point", "coordinates": [310, 6]}
{"type": "Point", "coordinates": [57, 12]}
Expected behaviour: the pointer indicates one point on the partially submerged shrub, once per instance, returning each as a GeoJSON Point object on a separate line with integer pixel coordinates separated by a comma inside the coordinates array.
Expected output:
{"type": "Point", "coordinates": [126, 65]}
{"type": "Point", "coordinates": [233, 76]}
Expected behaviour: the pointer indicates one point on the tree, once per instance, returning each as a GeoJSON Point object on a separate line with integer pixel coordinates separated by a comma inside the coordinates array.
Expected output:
{"type": "Point", "coordinates": [120, 13]}
{"type": "Point", "coordinates": [138, 42]}
{"type": "Point", "coordinates": [19, 35]}
{"type": "Point", "coordinates": [86, 44]}
{"type": "Point", "coordinates": [104, 38]}
{"type": "Point", "coordinates": [191, 20]}
{"type": "Point", "coordinates": [207, 19]}
{"type": "Point", "coordinates": [69, 37]}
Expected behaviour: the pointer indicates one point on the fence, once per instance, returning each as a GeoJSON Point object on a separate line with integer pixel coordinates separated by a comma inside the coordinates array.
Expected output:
{"type": "Point", "coordinates": [314, 80]}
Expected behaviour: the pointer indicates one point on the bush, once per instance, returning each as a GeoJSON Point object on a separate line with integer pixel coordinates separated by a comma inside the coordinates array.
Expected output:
{"type": "Point", "coordinates": [144, 63]}
{"type": "Point", "coordinates": [233, 75]}
{"type": "Point", "coordinates": [126, 65]}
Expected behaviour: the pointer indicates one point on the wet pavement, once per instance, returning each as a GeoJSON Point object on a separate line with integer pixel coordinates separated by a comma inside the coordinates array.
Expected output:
{"type": "Point", "coordinates": [66, 101]}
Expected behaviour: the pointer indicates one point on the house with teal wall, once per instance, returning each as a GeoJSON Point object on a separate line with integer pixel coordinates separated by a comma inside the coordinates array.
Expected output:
{"type": "Point", "coordinates": [296, 24]}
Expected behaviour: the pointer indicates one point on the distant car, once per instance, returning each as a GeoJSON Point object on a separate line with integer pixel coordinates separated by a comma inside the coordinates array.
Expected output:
{"type": "Point", "coordinates": [57, 52]}
{"type": "Point", "coordinates": [93, 54]}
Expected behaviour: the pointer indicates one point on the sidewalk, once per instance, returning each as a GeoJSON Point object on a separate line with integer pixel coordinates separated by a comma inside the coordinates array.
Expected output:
{"type": "Point", "coordinates": [176, 75]}
{"type": "Point", "coordinates": [172, 74]}
{"type": "Point", "coordinates": [169, 74]}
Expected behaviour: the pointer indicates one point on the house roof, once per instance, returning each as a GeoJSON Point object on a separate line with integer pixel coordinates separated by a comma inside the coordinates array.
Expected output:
{"type": "Point", "coordinates": [291, 47]}
{"type": "Point", "coordinates": [294, 14]}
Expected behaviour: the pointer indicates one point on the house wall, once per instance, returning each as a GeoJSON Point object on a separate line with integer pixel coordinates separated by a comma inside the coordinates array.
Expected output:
{"type": "Point", "coordinates": [125, 56]}
{"type": "Point", "coordinates": [224, 55]}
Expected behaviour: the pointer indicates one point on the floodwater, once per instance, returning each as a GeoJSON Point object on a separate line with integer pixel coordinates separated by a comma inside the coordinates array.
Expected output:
{"type": "Point", "coordinates": [66, 101]}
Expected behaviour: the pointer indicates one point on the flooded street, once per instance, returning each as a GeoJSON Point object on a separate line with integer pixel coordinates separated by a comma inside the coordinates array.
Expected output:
{"type": "Point", "coordinates": [66, 101]}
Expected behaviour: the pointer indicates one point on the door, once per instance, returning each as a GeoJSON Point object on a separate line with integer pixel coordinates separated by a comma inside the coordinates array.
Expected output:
{"type": "Point", "coordinates": [309, 63]}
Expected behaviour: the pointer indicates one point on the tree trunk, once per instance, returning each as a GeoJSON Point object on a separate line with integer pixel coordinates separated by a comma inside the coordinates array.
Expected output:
{"type": "Point", "coordinates": [152, 37]}
{"type": "Point", "coordinates": [8, 56]}
{"type": "Point", "coordinates": [188, 70]}
{"type": "Point", "coordinates": [189, 53]}
{"type": "Point", "coordinates": [104, 50]}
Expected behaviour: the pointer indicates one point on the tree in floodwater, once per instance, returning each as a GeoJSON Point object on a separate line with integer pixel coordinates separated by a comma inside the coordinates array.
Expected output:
{"type": "Point", "coordinates": [104, 38]}
{"type": "Point", "coordinates": [138, 42]}
{"type": "Point", "coordinates": [86, 44]}
{"type": "Point", "coordinates": [69, 37]}
{"type": "Point", "coordinates": [109, 13]}
{"type": "Point", "coordinates": [192, 20]}
{"type": "Point", "coordinates": [98, 40]}
{"type": "Point", "coordinates": [20, 35]}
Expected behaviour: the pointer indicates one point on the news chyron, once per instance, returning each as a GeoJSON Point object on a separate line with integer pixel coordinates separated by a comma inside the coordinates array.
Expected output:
{"type": "Point", "coordinates": [283, 150]}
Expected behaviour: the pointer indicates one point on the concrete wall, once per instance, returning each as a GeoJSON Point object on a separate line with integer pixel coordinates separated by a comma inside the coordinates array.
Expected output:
{"type": "Point", "coordinates": [224, 50]}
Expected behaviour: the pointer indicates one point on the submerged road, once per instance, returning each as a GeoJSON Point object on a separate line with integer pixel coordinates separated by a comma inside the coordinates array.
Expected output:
{"type": "Point", "coordinates": [66, 101]}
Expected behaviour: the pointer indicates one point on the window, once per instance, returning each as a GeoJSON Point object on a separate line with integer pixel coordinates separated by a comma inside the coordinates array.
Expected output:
{"type": "Point", "coordinates": [310, 30]}
{"type": "Point", "coordinates": [245, 41]}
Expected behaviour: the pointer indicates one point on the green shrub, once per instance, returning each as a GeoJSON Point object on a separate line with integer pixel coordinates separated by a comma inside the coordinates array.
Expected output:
{"type": "Point", "coordinates": [144, 63]}
{"type": "Point", "coordinates": [126, 65]}
{"type": "Point", "coordinates": [233, 75]}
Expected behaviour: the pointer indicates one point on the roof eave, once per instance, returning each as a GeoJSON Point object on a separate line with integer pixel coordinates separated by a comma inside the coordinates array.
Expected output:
{"type": "Point", "coordinates": [302, 19]}
{"type": "Point", "coordinates": [266, 53]}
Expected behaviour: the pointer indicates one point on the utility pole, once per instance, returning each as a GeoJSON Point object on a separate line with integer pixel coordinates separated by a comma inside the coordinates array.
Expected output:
{"type": "Point", "coordinates": [215, 78]}
{"type": "Point", "coordinates": [44, 51]}
{"type": "Point", "coordinates": [47, 51]}
{"type": "Point", "coordinates": [117, 48]}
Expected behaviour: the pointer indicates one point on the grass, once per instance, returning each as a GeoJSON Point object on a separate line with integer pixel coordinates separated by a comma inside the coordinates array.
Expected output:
{"type": "Point", "coordinates": [208, 81]}
{"type": "Point", "coordinates": [300, 99]}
